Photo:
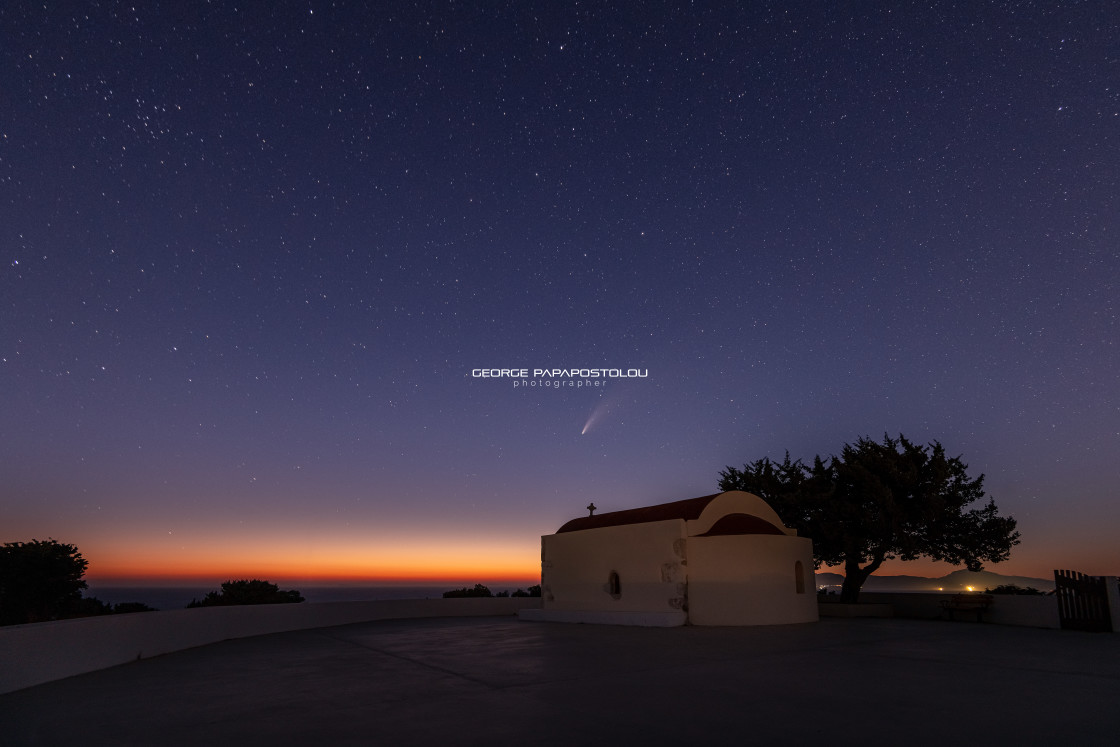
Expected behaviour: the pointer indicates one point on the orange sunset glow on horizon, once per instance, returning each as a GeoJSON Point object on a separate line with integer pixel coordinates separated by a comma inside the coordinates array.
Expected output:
{"type": "Point", "coordinates": [327, 563]}
{"type": "Point", "coordinates": [387, 551]}
{"type": "Point", "coordinates": [404, 560]}
{"type": "Point", "coordinates": [305, 549]}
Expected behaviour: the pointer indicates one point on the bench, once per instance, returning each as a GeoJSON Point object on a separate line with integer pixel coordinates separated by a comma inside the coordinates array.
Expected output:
{"type": "Point", "coordinates": [978, 603]}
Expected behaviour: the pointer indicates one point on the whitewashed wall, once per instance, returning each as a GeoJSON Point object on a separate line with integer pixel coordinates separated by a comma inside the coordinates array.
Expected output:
{"type": "Point", "coordinates": [575, 567]}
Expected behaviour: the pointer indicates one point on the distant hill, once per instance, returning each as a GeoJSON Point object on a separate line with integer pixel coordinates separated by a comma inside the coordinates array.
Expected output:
{"type": "Point", "coordinates": [955, 581]}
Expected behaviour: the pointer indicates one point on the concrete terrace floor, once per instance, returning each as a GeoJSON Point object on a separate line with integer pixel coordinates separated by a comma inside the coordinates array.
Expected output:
{"type": "Point", "coordinates": [498, 681]}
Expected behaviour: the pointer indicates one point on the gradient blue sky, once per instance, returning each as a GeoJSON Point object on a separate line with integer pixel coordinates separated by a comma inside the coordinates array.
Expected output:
{"type": "Point", "coordinates": [251, 253]}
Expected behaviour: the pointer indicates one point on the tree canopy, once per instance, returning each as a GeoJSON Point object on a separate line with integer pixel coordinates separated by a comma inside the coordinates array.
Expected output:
{"type": "Point", "coordinates": [246, 591]}
{"type": "Point", "coordinates": [39, 580]}
{"type": "Point", "coordinates": [882, 501]}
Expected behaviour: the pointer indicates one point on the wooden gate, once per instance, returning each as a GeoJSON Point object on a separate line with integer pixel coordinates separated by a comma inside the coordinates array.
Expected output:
{"type": "Point", "coordinates": [1082, 601]}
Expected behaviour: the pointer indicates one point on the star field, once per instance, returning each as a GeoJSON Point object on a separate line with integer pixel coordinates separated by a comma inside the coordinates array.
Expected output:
{"type": "Point", "coordinates": [251, 253]}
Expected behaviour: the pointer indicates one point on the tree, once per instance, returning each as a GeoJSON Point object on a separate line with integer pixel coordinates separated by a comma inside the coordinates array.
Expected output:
{"type": "Point", "coordinates": [881, 501]}
{"type": "Point", "coordinates": [245, 591]}
{"type": "Point", "coordinates": [39, 580]}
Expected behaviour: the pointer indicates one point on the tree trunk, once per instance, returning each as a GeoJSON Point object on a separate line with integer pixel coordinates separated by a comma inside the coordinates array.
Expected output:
{"type": "Point", "coordinates": [854, 576]}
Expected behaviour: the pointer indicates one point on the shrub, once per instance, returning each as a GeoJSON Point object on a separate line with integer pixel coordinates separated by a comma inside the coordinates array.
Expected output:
{"type": "Point", "coordinates": [123, 608]}
{"type": "Point", "coordinates": [247, 592]}
{"type": "Point", "coordinates": [478, 591]}
{"type": "Point", "coordinates": [1013, 589]}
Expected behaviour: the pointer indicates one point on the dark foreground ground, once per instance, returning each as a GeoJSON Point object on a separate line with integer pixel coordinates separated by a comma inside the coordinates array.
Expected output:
{"type": "Point", "coordinates": [498, 681]}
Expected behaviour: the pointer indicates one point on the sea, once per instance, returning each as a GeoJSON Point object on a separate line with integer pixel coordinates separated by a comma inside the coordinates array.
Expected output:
{"type": "Point", "coordinates": [178, 597]}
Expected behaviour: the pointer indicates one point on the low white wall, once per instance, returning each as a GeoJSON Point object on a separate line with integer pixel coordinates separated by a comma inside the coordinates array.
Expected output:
{"type": "Point", "coordinates": [42, 652]}
{"type": "Point", "coordinates": [1007, 609]}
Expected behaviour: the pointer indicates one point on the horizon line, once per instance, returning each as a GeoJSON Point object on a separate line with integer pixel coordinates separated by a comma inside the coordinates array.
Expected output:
{"type": "Point", "coordinates": [283, 580]}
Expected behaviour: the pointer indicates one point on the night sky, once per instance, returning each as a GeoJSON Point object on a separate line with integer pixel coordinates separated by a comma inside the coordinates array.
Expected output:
{"type": "Point", "coordinates": [251, 253]}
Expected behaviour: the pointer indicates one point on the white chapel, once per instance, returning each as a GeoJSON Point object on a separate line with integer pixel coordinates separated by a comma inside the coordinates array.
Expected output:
{"type": "Point", "coordinates": [722, 559]}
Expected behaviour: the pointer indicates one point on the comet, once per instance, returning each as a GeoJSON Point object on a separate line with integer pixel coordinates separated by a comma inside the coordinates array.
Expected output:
{"type": "Point", "coordinates": [596, 415]}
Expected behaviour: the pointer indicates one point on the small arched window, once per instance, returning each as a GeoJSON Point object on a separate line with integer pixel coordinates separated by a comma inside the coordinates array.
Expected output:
{"type": "Point", "coordinates": [614, 586]}
{"type": "Point", "coordinates": [799, 576]}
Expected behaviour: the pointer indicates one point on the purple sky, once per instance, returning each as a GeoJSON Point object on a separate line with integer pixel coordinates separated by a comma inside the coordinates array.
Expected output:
{"type": "Point", "coordinates": [251, 253]}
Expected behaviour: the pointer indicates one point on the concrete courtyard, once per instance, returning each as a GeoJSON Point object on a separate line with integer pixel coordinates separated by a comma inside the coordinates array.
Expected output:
{"type": "Point", "coordinates": [497, 680]}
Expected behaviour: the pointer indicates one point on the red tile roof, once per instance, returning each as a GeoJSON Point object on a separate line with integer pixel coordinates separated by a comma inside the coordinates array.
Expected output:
{"type": "Point", "coordinates": [688, 509]}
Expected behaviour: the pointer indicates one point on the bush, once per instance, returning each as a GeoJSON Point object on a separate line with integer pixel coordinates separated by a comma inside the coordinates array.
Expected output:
{"type": "Point", "coordinates": [478, 591]}
{"type": "Point", "coordinates": [481, 591]}
{"type": "Point", "coordinates": [123, 608]}
{"type": "Point", "coordinates": [1013, 589]}
{"type": "Point", "coordinates": [85, 607]}
{"type": "Point", "coordinates": [247, 592]}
